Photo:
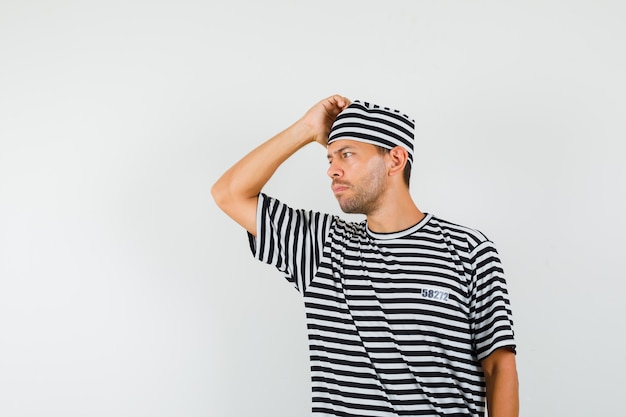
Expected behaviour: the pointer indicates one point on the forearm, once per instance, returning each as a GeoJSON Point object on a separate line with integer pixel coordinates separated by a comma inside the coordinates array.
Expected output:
{"type": "Point", "coordinates": [503, 390]}
{"type": "Point", "coordinates": [237, 190]}
{"type": "Point", "coordinates": [247, 177]}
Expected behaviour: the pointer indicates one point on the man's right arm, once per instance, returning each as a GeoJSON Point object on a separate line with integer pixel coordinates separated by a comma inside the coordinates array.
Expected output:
{"type": "Point", "coordinates": [237, 190]}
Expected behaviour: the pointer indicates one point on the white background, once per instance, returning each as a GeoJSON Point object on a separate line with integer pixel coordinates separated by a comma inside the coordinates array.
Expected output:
{"type": "Point", "coordinates": [124, 291]}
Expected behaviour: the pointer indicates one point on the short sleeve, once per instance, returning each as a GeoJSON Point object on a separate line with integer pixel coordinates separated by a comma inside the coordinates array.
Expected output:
{"type": "Point", "coordinates": [490, 308]}
{"type": "Point", "coordinates": [290, 240]}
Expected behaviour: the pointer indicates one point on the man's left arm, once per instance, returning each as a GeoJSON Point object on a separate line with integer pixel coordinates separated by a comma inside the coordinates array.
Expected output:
{"type": "Point", "coordinates": [502, 383]}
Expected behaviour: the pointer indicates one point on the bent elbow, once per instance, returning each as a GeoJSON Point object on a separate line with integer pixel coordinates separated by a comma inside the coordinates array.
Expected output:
{"type": "Point", "coordinates": [220, 194]}
{"type": "Point", "coordinates": [241, 209]}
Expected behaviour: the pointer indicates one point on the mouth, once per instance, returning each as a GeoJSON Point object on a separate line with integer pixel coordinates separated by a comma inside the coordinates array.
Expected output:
{"type": "Point", "coordinates": [338, 188]}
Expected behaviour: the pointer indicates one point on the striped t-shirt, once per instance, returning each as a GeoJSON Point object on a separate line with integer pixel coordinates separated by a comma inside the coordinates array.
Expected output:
{"type": "Point", "coordinates": [397, 322]}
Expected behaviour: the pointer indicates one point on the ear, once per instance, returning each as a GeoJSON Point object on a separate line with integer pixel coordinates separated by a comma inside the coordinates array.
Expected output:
{"type": "Point", "coordinates": [398, 158]}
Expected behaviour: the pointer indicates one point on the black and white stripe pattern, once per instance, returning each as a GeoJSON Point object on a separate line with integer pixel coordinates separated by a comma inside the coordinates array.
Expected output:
{"type": "Point", "coordinates": [397, 323]}
{"type": "Point", "coordinates": [376, 125]}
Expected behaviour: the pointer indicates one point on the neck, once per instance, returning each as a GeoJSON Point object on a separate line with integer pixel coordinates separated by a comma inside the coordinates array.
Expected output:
{"type": "Point", "coordinates": [396, 212]}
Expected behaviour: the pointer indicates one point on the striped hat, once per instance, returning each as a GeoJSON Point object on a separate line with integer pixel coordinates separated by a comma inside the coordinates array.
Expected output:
{"type": "Point", "coordinates": [376, 125]}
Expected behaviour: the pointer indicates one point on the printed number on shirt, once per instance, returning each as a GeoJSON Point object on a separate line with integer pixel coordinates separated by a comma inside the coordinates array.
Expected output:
{"type": "Point", "coordinates": [435, 294]}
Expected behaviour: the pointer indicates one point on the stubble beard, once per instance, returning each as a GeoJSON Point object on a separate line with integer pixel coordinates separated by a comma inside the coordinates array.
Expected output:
{"type": "Point", "coordinates": [366, 195]}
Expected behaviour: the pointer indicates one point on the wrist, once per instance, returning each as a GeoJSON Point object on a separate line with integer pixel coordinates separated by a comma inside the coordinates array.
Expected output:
{"type": "Point", "coordinates": [304, 132]}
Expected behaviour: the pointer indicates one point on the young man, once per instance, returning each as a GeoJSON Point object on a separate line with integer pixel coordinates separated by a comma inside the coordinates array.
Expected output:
{"type": "Point", "coordinates": [407, 314]}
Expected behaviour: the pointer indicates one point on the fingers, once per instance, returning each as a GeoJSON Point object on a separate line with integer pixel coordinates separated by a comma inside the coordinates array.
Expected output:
{"type": "Point", "coordinates": [319, 119]}
{"type": "Point", "coordinates": [339, 101]}
{"type": "Point", "coordinates": [334, 105]}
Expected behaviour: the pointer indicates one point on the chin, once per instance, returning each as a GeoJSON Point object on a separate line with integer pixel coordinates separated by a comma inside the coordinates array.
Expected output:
{"type": "Point", "coordinates": [351, 210]}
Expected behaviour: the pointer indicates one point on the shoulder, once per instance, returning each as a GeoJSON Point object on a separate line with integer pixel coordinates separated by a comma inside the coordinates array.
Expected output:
{"type": "Point", "coordinates": [470, 236]}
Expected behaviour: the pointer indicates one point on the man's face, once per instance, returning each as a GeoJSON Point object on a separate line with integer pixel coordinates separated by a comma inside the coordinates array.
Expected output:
{"type": "Point", "coordinates": [359, 175]}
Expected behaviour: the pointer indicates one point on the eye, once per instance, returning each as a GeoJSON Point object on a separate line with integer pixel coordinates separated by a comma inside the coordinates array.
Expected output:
{"type": "Point", "coordinates": [347, 154]}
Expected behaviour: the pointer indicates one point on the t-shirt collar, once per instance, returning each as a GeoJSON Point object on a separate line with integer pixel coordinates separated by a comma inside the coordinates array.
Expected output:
{"type": "Point", "coordinates": [401, 233]}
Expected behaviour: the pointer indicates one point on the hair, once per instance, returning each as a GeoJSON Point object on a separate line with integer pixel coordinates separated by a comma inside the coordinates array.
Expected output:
{"type": "Point", "coordinates": [406, 174]}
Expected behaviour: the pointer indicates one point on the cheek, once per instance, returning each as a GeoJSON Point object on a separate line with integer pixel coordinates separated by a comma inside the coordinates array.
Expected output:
{"type": "Point", "coordinates": [376, 167]}
{"type": "Point", "coordinates": [363, 169]}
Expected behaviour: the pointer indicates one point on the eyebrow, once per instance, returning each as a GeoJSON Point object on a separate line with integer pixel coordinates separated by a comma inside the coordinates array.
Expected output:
{"type": "Point", "coordinates": [340, 150]}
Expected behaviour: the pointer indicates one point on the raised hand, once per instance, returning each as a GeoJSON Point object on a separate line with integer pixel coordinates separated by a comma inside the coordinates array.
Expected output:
{"type": "Point", "coordinates": [321, 116]}
{"type": "Point", "coordinates": [237, 190]}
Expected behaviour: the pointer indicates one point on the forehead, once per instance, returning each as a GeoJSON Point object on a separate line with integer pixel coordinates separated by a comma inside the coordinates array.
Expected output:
{"type": "Point", "coordinates": [341, 144]}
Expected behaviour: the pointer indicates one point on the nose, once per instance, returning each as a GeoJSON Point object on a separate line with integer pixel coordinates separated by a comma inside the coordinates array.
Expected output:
{"type": "Point", "coordinates": [334, 171]}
